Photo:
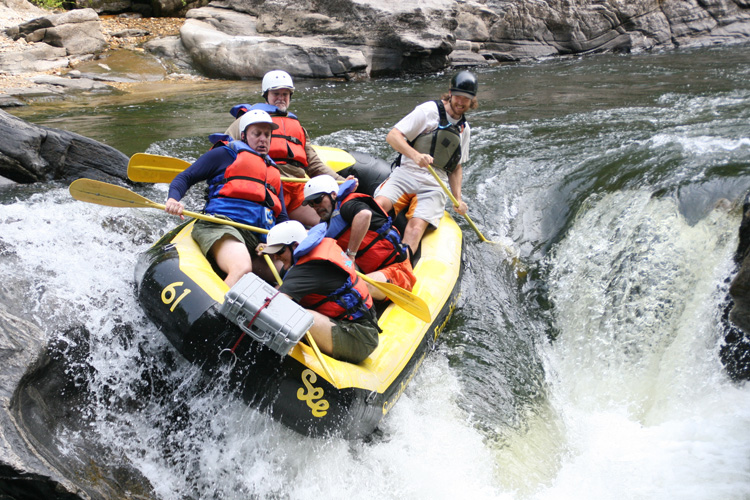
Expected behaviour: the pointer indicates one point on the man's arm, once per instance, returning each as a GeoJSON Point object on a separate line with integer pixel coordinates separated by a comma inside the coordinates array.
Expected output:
{"type": "Point", "coordinates": [315, 165]}
{"type": "Point", "coordinates": [360, 225]}
{"type": "Point", "coordinates": [455, 179]}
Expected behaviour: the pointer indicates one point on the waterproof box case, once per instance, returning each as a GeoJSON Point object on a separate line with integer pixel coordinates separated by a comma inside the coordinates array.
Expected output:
{"type": "Point", "coordinates": [273, 320]}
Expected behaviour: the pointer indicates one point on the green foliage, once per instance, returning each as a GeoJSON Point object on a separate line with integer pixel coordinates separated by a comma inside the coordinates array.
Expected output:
{"type": "Point", "coordinates": [49, 4]}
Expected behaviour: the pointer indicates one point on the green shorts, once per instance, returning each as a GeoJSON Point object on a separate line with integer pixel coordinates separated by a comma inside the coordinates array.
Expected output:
{"type": "Point", "coordinates": [207, 233]}
{"type": "Point", "coordinates": [353, 341]}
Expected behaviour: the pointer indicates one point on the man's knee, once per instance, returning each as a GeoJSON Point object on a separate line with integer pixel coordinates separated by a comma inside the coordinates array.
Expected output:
{"type": "Point", "coordinates": [384, 202]}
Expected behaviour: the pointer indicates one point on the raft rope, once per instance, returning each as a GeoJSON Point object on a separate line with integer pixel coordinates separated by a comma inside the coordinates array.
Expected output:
{"type": "Point", "coordinates": [266, 302]}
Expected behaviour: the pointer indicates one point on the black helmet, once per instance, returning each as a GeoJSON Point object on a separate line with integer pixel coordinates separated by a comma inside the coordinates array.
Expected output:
{"type": "Point", "coordinates": [466, 82]}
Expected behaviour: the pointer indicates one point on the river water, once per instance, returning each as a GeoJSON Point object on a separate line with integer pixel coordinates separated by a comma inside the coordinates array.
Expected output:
{"type": "Point", "coordinates": [619, 179]}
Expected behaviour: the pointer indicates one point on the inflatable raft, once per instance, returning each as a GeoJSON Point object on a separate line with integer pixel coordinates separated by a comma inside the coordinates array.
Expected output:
{"type": "Point", "coordinates": [182, 294]}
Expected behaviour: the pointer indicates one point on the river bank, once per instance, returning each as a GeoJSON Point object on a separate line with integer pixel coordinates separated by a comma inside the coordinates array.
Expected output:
{"type": "Point", "coordinates": [363, 39]}
{"type": "Point", "coordinates": [128, 32]}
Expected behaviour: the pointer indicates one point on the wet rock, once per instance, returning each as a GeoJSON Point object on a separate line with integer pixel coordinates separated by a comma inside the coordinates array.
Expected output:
{"type": "Point", "coordinates": [735, 352]}
{"type": "Point", "coordinates": [9, 101]}
{"type": "Point", "coordinates": [43, 392]}
{"type": "Point", "coordinates": [82, 84]}
{"type": "Point", "coordinates": [172, 53]}
{"type": "Point", "coordinates": [467, 58]}
{"type": "Point", "coordinates": [130, 33]}
{"type": "Point", "coordinates": [31, 153]}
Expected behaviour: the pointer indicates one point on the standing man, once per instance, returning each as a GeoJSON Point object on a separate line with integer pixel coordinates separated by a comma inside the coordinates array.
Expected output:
{"type": "Point", "coordinates": [290, 144]}
{"type": "Point", "coordinates": [321, 278]}
{"type": "Point", "coordinates": [244, 185]}
{"type": "Point", "coordinates": [434, 133]}
{"type": "Point", "coordinates": [361, 228]}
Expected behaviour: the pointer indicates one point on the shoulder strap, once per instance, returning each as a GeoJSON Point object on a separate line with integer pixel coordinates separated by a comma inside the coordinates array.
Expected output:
{"type": "Point", "coordinates": [444, 122]}
{"type": "Point", "coordinates": [443, 116]}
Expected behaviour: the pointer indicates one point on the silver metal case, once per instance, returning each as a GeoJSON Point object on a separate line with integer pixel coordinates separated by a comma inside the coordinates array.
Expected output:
{"type": "Point", "coordinates": [273, 320]}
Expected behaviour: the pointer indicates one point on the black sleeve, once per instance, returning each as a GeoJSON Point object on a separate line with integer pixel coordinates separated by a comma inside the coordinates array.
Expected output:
{"type": "Point", "coordinates": [353, 207]}
{"type": "Point", "coordinates": [312, 277]}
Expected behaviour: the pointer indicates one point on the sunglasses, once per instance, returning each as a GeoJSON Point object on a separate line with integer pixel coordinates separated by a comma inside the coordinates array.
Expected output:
{"type": "Point", "coordinates": [279, 252]}
{"type": "Point", "coordinates": [314, 201]}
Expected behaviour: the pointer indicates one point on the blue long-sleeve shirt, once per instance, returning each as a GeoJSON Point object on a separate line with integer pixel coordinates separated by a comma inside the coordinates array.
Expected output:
{"type": "Point", "coordinates": [208, 166]}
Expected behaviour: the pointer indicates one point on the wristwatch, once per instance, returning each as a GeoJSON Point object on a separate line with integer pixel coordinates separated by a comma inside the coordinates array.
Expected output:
{"type": "Point", "coordinates": [351, 253]}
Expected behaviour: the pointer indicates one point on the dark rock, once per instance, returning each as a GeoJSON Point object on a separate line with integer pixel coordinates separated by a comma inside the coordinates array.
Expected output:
{"type": "Point", "coordinates": [32, 153]}
{"type": "Point", "coordinates": [735, 352]}
{"type": "Point", "coordinates": [51, 395]}
{"type": "Point", "coordinates": [175, 8]}
{"type": "Point", "coordinates": [105, 6]}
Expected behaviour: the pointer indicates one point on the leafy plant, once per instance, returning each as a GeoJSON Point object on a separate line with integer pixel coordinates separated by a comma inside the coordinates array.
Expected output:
{"type": "Point", "coordinates": [49, 4]}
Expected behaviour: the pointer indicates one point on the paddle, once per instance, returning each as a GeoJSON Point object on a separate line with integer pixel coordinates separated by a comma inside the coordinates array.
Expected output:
{"type": "Point", "coordinates": [144, 167]}
{"type": "Point", "coordinates": [406, 300]}
{"type": "Point", "coordinates": [102, 193]}
{"type": "Point", "coordinates": [511, 251]}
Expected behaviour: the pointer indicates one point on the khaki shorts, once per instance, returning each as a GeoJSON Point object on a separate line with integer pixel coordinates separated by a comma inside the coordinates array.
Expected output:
{"type": "Point", "coordinates": [353, 341]}
{"type": "Point", "coordinates": [407, 182]}
{"type": "Point", "coordinates": [207, 233]}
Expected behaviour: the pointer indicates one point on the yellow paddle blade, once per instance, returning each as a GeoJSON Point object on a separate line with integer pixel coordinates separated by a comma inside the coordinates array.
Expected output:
{"type": "Point", "coordinates": [404, 299]}
{"type": "Point", "coordinates": [335, 158]}
{"type": "Point", "coordinates": [109, 195]}
{"type": "Point", "coordinates": [144, 167]}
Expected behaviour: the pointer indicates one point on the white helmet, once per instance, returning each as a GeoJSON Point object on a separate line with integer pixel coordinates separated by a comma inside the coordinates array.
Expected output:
{"type": "Point", "coordinates": [283, 234]}
{"type": "Point", "coordinates": [322, 184]}
{"type": "Point", "coordinates": [256, 116]}
{"type": "Point", "coordinates": [276, 79]}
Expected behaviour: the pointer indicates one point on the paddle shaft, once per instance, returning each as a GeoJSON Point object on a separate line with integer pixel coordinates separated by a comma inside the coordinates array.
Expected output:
{"type": "Point", "coordinates": [511, 251]}
{"type": "Point", "coordinates": [144, 167]}
{"type": "Point", "coordinates": [217, 220]}
{"type": "Point", "coordinates": [110, 195]}
{"type": "Point", "coordinates": [455, 202]}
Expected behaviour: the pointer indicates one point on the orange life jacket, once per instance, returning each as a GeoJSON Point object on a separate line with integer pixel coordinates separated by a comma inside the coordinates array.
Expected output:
{"type": "Point", "coordinates": [350, 301]}
{"type": "Point", "coordinates": [248, 178]}
{"type": "Point", "coordinates": [288, 141]}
